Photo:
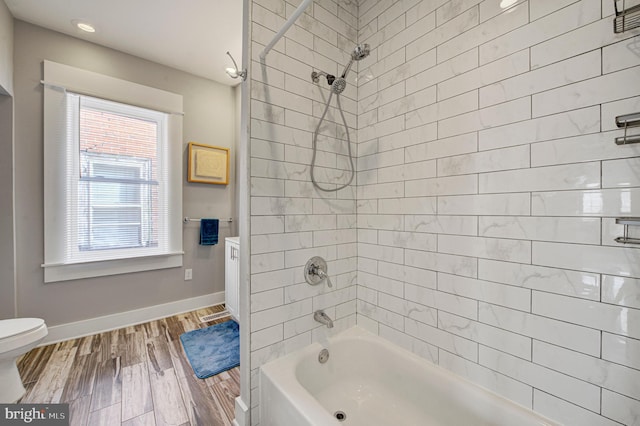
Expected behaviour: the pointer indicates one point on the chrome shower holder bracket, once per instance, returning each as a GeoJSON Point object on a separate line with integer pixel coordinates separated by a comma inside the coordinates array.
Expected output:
{"type": "Point", "coordinates": [315, 77]}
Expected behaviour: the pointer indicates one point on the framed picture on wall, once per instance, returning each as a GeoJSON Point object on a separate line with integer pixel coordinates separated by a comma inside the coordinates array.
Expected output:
{"type": "Point", "coordinates": [208, 164]}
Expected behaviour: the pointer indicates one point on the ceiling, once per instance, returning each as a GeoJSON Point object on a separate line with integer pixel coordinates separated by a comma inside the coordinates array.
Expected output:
{"type": "Point", "coordinates": [190, 35]}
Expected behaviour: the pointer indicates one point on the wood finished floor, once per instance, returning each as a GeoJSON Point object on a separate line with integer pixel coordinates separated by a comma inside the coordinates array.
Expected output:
{"type": "Point", "coordinates": [134, 376]}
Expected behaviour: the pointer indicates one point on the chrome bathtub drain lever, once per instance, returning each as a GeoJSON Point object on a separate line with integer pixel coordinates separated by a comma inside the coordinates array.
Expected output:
{"type": "Point", "coordinates": [323, 356]}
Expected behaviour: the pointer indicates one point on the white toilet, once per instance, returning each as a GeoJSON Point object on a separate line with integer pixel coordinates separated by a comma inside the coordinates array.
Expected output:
{"type": "Point", "coordinates": [17, 337]}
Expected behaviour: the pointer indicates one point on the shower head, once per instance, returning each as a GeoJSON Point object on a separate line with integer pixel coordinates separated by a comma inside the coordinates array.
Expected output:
{"type": "Point", "coordinates": [360, 52]}
{"type": "Point", "coordinates": [339, 85]}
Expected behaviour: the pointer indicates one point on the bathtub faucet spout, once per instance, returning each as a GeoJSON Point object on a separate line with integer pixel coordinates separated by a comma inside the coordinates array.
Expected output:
{"type": "Point", "coordinates": [323, 318]}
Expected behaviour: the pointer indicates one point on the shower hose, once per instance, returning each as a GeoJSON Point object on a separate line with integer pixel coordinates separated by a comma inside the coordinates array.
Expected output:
{"type": "Point", "coordinates": [315, 143]}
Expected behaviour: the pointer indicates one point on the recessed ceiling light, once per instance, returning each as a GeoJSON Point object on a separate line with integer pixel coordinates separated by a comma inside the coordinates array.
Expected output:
{"type": "Point", "coordinates": [84, 26]}
{"type": "Point", "coordinates": [507, 3]}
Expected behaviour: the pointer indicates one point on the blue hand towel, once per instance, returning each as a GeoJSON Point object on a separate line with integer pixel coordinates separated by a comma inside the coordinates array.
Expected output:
{"type": "Point", "coordinates": [209, 232]}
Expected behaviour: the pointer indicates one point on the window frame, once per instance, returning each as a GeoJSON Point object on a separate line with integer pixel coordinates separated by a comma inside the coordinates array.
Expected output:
{"type": "Point", "coordinates": [58, 80]}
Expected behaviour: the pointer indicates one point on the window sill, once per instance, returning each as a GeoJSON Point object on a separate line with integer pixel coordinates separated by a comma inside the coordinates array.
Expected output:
{"type": "Point", "coordinates": [76, 271]}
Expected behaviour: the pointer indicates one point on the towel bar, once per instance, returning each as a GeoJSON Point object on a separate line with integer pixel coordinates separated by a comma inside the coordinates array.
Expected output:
{"type": "Point", "coordinates": [193, 219]}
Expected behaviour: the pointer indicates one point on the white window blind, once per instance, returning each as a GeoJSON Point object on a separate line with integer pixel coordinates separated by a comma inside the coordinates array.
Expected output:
{"type": "Point", "coordinates": [112, 179]}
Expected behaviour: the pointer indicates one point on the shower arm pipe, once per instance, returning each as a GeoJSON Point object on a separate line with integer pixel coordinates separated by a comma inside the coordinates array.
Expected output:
{"type": "Point", "coordinates": [303, 6]}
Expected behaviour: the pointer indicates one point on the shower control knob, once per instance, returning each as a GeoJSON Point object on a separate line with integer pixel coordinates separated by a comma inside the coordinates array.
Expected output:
{"type": "Point", "coordinates": [315, 271]}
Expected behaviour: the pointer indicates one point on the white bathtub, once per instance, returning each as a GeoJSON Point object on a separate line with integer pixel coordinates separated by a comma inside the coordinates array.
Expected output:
{"type": "Point", "coordinates": [375, 382]}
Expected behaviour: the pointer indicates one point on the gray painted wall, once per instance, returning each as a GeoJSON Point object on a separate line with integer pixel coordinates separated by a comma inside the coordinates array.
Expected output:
{"type": "Point", "coordinates": [6, 50]}
{"type": "Point", "coordinates": [7, 269]}
{"type": "Point", "coordinates": [7, 265]}
{"type": "Point", "coordinates": [209, 118]}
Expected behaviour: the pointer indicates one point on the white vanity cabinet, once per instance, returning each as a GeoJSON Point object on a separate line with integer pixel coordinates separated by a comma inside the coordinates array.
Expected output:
{"type": "Point", "coordinates": [232, 276]}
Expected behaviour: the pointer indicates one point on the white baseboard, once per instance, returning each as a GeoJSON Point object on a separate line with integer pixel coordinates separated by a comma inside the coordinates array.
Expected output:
{"type": "Point", "coordinates": [73, 330]}
{"type": "Point", "coordinates": [242, 418]}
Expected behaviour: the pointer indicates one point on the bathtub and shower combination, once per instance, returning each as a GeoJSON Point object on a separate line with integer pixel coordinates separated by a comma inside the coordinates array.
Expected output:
{"type": "Point", "coordinates": [359, 378]}
{"type": "Point", "coordinates": [368, 381]}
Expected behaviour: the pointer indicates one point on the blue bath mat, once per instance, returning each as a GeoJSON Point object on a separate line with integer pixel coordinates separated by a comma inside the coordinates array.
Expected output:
{"type": "Point", "coordinates": [214, 349]}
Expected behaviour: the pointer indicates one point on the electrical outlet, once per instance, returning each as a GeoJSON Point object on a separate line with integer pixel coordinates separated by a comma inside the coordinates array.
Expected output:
{"type": "Point", "coordinates": [188, 274]}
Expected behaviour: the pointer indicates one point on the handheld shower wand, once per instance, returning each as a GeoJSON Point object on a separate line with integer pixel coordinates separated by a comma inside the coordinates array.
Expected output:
{"type": "Point", "coordinates": [337, 87]}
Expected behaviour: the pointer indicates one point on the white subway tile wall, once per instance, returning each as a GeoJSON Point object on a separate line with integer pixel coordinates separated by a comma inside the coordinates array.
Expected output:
{"type": "Point", "coordinates": [479, 231]}
{"type": "Point", "coordinates": [290, 220]}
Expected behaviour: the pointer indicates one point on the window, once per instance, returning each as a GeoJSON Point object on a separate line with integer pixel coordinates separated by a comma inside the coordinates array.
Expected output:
{"type": "Point", "coordinates": [119, 188]}
{"type": "Point", "coordinates": [112, 179]}
{"type": "Point", "coordinates": [115, 203]}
